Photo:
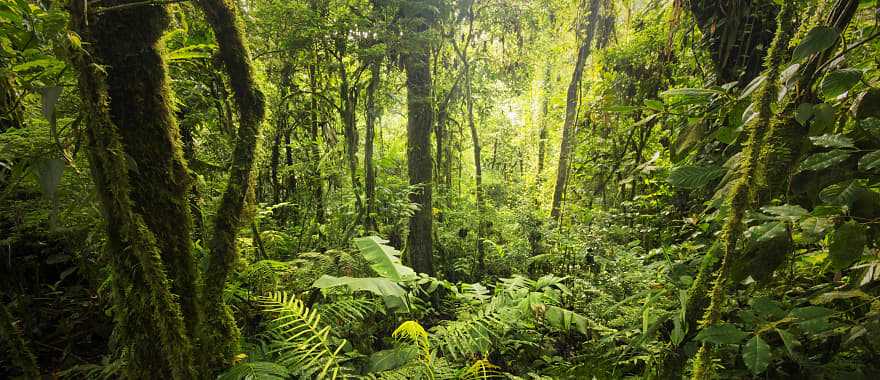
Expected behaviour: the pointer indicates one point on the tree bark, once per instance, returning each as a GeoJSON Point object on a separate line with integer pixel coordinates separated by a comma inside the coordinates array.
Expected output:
{"type": "Point", "coordinates": [419, 122]}
{"type": "Point", "coordinates": [220, 339]}
{"type": "Point", "coordinates": [369, 135]}
{"type": "Point", "coordinates": [571, 112]}
{"type": "Point", "coordinates": [142, 181]}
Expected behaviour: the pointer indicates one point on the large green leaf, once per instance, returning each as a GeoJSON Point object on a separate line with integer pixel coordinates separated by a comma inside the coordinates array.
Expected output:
{"type": "Point", "coordinates": [824, 160]}
{"type": "Point", "coordinates": [867, 104]}
{"type": "Point", "coordinates": [376, 285]}
{"type": "Point", "coordinates": [384, 259]}
{"type": "Point", "coordinates": [813, 319]}
{"type": "Point", "coordinates": [566, 320]}
{"type": "Point", "coordinates": [692, 177]}
{"type": "Point", "coordinates": [792, 344]}
{"type": "Point", "coordinates": [756, 354]}
{"type": "Point", "coordinates": [818, 39]}
{"type": "Point", "coordinates": [390, 359]}
{"type": "Point", "coordinates": [840, 81]}
{"type": "Point", "coordinates": [724, 333]}
{"type": "Point", "coordinates": [833, 141]}
{"type": "Point", "coordinates": [847, 243]}
{"type": "Point", "coordinates": [767, 231]}
{"type": "Point", "coordinates": [870, 161]}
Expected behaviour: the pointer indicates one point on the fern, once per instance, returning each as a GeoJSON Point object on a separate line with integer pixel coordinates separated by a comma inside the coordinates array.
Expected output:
{"type": "Point", "coordinates": [481, 370]}
{"type": "Point", "coordinates": [256, 371]}
{"type": "Point", "coordinates": [466, 338]}
{"type": "Point", "coordinates": [301, 344]}
{"type": "Point", "coordinates": [347, 311]}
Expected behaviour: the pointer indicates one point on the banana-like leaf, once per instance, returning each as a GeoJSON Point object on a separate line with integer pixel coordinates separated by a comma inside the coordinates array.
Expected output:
{"type": "Point", "coordinates": [384, 259]}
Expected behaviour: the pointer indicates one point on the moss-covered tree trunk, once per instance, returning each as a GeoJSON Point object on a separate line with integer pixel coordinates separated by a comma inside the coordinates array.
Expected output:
{"type": "Point", "coordinates": [220, 337]}
{"type": "Point", "coordinates": [142, 183]}
{"type": "Point", "coordinates": [416, 62]}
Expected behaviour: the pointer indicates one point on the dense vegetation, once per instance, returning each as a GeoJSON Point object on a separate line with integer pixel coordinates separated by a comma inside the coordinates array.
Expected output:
{"type": "Point", "coordinates": [427, 189]}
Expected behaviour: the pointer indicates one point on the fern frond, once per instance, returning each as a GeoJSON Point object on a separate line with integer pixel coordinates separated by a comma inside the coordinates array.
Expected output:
{"type": "Point", "coordinates": [347, 311]}
{"type": "Point", "coordinates": [301, 344]}
{"type": "Point", "coordinates": [468, 337]}
{"type": "Point", "coordinates": [481, 369]}
{"type": "Point", "coordinates": [255, 371]}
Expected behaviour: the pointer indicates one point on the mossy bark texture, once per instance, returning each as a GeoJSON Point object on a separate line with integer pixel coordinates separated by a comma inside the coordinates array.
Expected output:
{"type": "Point", "coordinates": [221, 335]}
{"type": "Point", "coordinates": [740, 198]}
{"type": "Point", "coordinates": [139, 175]}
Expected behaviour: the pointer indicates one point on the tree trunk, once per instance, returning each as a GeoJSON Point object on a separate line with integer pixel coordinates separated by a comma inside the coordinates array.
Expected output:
{"type": "Point", "coordinates": [348, 96]}
{"type": "Point", "coordinates": [314, 147]}
{"type": "Point", "coordinates": [571, 112]}
{"type": "Point", "coordinates": [221, 336]}
{"type": "Point", "coordinates": [419, 122]}
{"type": "Point", "coordinates": [142, 183]}
{"type": "Point", "coordinates": [542, 135]}
{"type": "Point", "coordinates": [369, 166]}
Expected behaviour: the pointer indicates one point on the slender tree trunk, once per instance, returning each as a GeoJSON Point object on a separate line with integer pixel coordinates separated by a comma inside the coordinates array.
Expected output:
{"type": "Point", "coordinates": [542, 135]}
{"type": "Point", "coordinates": [369, 166]}
{"type": "Point", "coordinates": [220, 339]}
{"type": "Point", "coordinates": [419, 122]}
{"type": "Point", "coordinates": [571, 111]}
{"type": "Point", "coordinates": [478, 169]}
{"type": "Point", "coordinates": [348, 96]}
{"type": "Point", "coordinates": [314, 146]}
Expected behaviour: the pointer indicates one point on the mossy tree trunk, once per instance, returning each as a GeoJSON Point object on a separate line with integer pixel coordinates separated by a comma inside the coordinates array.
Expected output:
{"type": "Point", "coordinates": [369, 136]}
{"type": "Point", "coordinates": [220, 337]}
{"type": "Point", "coordinates": [142, 183]}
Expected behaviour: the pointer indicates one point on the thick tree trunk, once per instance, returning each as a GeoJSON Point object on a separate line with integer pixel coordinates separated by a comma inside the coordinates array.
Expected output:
{"type": "Point", "coordinates": [571, 112]}
{"type": "Point", "coordinates": [142, 183]}
{"type": "Point", "coordinates": [220, 339]}
{"type": "Point", "coordinates": [419, 122]}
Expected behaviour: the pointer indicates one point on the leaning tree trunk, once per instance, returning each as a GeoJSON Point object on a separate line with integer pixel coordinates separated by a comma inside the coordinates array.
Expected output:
{"type": "Point", "coordinates": [142, 181]}
{"type": "Point", "coordinates": [418, 126]}
{"type": "Point", "coordinates": [571, 112]}
{"type": "Point", "coordinates": [220, 337]}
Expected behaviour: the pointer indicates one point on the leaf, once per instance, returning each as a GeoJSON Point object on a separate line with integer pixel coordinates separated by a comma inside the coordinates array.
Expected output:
{"type": "Point", "coordinates": [390, 359]}
{"type": "Point", "coordinates": [824, 160]}
{"type": "Point", "coordinates": [804, 113]}
{"type": "Point", "coordinates": [692, 177]}
{"type": "Point", "coordinates": [823, 121]}
{"type": "Point", "coordinates": [814, 319]}
{"type": "Point", "coordinates": [833, 141]}
{"type": "Point", "coordinates": [840, 194]}
{"type": "Point", "coordinates": [867, 104]}
{"type": "Point", "coordinates": [49, 174]}
{"type": "Point", "coordinates": [756, 354]}
{"type": "Point", "coordinates": [724, 333]}
{"type": "Point", "coordinates": [256, 371]}
{"type": "Point", "coordinates": [839, 82]}
{"type": "Point", "coordinates": [385, 260]}
{"type": "Point", "coordinates": [767, 231]}
{"type": "Point", "coordinates": [816, 40]}
{"type": "Point", "coordinates": [839, 295]}
{"type": "Point", "coordinates": [792, 344]}
{"type": "Point", "coordinates": [786, 211]}
{"type": "Point", "coordinates": [869, 161]}
{"type": "Point", "coordinates": [199, 51]}
{"type": "Point", "coordinates": [566, 320]}
{"type": "Point", "coordinates": [753, 86]}
{"type": "Point", "coordinates": [376, 285]}
{"type": "Point", "coordinates": [767, 308]}
{"type": "Point", "coordinates": [847, 243]}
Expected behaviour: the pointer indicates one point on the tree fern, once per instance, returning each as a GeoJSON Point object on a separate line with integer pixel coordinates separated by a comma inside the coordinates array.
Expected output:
{"type": "Point", "coordinates": [301, 343]}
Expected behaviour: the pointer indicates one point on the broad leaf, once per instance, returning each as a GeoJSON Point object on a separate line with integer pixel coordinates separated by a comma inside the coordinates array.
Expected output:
{"type": "Point", "coordinates": [817, 40]}
{"type": "Point", "coordinates": [833, 141]}
{"type": "Point", "coordinates": [839, 82]}
{"type": "Point", "coordinates": [847, 243]}
{"type": "Point", "coordinates": [824, 160]}
{"type": "Point", "coordinates": [724, 333]}
{"type": "Point", "coordinates": [376, 285]}
{"type": "Point", "coordinates": [804, 113]}
{"type": "Point", "coordinates": [767, 231]}
{"type": "Point", "coordinates": [390, 359]}
{"type": "Point", "coordinates": [789, 212]}
{"type": "Point", "coordinates": [870, 161]}
{"type": "Point", "coordinates": [813, 319]}
{"type": "Point", "coordinates": [566, 320]}
{"type": "Point", "coordinates": [756, 354]}
{"type": "Point", "coordinates": [384, 259]}
{"type": "Point", "coordinates": [823, 121]}
{"type": "Point", "coordinates": [867, 104]}
{"type": "Point", "coordinates": [792, 344]}
{"type": "Point", "coordinates": [692, 177]}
